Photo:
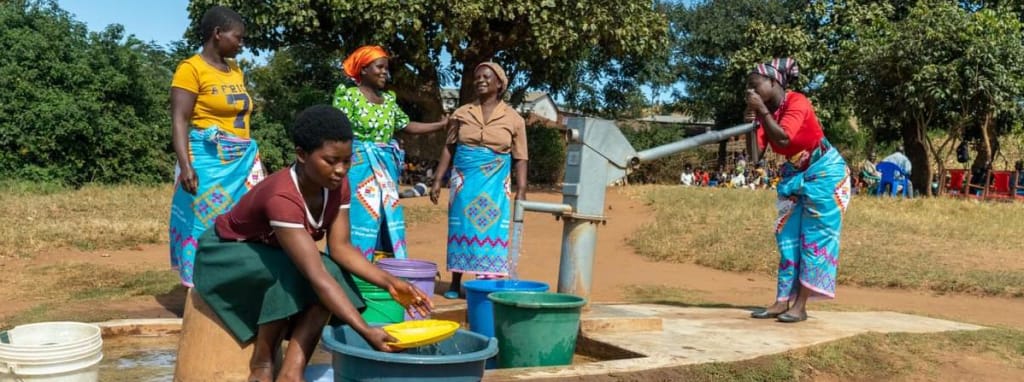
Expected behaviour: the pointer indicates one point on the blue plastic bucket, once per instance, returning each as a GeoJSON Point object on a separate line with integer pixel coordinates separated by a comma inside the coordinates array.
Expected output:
{"type": "Point", "coordinates": [479, 309]}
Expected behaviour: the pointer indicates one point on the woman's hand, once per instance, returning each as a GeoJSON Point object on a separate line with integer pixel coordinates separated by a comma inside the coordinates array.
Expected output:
{"type": "Point", "coordinates": [520, 195]}
{"type": "Point", "coordinates": [410, 297]}
{"type": "Point", "coordinates": [443, 122]}
{"type": "Point", "coordinates": [379, 339]}
{"type": "Point", "coordinates": [435, 192]}
{"type": "Point", "coordinates": [188, 180]}
{"type": "Point", "coordinates": [755, 103]}
{"type": "Point", "coordinates": [749, 115]}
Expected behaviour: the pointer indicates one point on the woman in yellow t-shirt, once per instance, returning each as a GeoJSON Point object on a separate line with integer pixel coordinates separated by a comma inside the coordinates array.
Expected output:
{"type": "Point", "coordinates": [210, 109]}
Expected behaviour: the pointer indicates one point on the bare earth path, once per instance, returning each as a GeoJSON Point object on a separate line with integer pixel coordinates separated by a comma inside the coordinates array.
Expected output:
{"type": "Point", "coordinates": [616, 268]}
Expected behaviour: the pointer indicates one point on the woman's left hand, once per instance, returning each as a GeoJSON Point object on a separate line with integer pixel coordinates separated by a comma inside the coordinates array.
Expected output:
{"type": "Point", "coordinates": [410, 297]}
{"type": "Point", "coordinates": [755, 103]}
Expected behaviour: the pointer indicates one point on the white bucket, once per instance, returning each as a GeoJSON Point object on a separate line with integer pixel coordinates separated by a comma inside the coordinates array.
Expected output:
{"type": "Point", "coordinates": [51, 352]}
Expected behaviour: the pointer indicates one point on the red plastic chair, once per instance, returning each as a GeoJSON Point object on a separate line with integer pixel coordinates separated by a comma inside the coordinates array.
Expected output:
{"type": "Point", "coordinates": [1000, 188]}
{"type": "Point", "coordinates": [955, 185]}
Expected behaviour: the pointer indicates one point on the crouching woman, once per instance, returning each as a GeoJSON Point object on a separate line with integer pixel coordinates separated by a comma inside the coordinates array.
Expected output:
{"type": "Point", "coordinates": [259, 268]}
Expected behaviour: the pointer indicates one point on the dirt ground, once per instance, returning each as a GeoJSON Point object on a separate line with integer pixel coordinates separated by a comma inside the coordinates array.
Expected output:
{"type": "Point", "coordinates": [616, 267]}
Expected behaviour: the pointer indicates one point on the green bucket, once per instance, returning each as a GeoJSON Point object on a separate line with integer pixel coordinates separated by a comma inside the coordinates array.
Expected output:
{"type": "Point", "coordinates": [380, 307]}
{"type": "Point", "coordinates": [535, 328]}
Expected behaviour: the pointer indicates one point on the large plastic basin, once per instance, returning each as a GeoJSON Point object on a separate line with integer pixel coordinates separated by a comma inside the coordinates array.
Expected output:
{"type": "Point", "coordinates": [457, 359]}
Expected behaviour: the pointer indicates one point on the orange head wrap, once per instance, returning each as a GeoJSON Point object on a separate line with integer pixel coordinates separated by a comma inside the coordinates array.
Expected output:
{"type": "Point", "coordinates": [358, 60]}
{"type": "Point", "coordinates": [498, 71]}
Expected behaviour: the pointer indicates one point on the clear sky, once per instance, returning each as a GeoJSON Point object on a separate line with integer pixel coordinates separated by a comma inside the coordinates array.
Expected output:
{"type": "Point", "coordinates": [162, 21]}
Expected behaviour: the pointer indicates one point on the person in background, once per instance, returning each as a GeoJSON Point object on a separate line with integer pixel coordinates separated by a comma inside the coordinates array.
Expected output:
{"type": "Point", "coordinates": [869, 174]}
{"type": "Point", "coordinates": [738, 180]}
{"type": "Point", "coordinates": [217, 161]}
{"type": "Point", "coordinates": [903, 163]}
{"type": "Point", "coordinates": [487, 139]}
{"type": "Point", "coordinates": [812, 196]}
{"type": "Point", "coordinates": [378, 223]}
{"type": "Point", "coordinates": [1017, 179]}
{"type": "Point", "coordinates": [900, 160]}
{"type": "Point", "coordinates": [686, 178]}
{"type": "Point", "coordinates": [259, 268]}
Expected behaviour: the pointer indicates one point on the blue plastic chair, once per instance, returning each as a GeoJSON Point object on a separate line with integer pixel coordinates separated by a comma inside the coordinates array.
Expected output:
{"type": "Point", "coordinates": [890, 172]}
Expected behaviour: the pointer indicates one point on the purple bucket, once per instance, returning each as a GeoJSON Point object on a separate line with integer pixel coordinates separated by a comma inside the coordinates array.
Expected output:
{"type": "Point", "coordinates": [419, 273]}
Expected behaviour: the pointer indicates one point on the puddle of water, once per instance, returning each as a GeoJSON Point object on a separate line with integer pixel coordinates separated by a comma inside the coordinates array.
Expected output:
{"type": "Point", "coordinates": [143, 359]}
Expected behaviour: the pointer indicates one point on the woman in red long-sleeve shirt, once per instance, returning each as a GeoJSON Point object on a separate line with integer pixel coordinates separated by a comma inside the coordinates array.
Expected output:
{"type": "Point", "coordinates": [813, 193]}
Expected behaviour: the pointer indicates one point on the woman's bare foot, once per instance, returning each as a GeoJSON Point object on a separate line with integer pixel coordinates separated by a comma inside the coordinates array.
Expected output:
{"type": "Point", "coordinates": [288, 376]}
{"type": "Point", "coordinates": [261, 372]}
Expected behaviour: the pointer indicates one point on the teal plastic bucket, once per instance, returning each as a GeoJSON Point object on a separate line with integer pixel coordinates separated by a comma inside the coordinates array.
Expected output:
{"type": "Point", "coordinates": [536, 328]}
{"type": "Point", "coordinates": [457, 359]}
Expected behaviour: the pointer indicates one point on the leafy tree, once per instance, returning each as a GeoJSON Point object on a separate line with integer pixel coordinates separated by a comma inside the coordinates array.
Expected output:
{"type": "Point", "coordinates": [542, 44]}
{"type": "Point", "coordinates": [940, 68]}
{"type": "Point", "coordinates": [79, 107]}
{"type": "Point", "coordinates": [717, 43]}
{"type": "Point", "coordinates": [292, 79]}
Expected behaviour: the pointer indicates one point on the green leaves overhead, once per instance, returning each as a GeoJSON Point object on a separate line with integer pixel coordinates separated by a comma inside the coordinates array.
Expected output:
{"type": "Point", "coordinates": [541, 43]}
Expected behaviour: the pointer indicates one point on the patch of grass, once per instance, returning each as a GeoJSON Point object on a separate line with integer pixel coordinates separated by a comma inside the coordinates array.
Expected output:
{"type": "Point", "coordinates": [22, 187]}
{"type": "Point", "coordinates": [53, 312]}
{"type": "Point", "coordinates": [75, 283]}
{"type": "Point", "coordinates": [38, 313]}
{"type": "Point", "coordinates": [89, 218]}
{"type": "Point", "coordinates": [864, 357]}
{"type": "Point", "coordinates": [148, 283]}
{"type": "Point", "coordinates": [41, 217]}
{"type": "Point", "coordinates": [939, 244]}
{"type": "Point", "coordinates": [85, 281]}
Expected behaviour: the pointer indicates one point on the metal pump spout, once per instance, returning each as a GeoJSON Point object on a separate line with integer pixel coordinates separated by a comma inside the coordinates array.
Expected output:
{"type": "Point", "coordinates": [597, 156]}
{"type": "Point", "coordinates": [552, 208]}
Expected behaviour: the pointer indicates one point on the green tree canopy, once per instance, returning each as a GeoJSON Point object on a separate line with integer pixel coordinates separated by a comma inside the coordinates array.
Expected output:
{"type": "Point", "coordinates": [940, 67]}
{"type": "Point", "coordinates": [80, 107]}
{"type": "Point", "coordinates": [542, 44]}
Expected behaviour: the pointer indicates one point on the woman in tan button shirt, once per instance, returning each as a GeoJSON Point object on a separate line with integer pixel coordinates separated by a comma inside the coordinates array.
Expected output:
{"type": "Point", "coordinates": [485, 137]}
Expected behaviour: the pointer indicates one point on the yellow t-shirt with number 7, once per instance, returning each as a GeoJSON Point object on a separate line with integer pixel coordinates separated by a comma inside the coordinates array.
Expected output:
{"type": "Point", "coordinates": [221, 99]}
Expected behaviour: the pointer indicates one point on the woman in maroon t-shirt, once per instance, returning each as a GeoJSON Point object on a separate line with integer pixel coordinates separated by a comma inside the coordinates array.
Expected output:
{"type": "Point", "coordinates": [259, 268]}
{"type": "Point", "coordinates": [813, 193]}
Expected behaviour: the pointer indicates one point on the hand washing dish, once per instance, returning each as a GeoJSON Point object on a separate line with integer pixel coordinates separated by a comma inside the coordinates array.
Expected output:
{"type": "Point", "coordinates": [411, 334]}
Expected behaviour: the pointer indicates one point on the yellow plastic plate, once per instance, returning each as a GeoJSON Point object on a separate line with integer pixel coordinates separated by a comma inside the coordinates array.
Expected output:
{"type": "Point", "coordinates": [411, 334]}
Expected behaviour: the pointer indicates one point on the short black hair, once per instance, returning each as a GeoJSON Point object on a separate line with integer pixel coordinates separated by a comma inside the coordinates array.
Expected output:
{"type": "Point", "coordinates": [218, 16]}
{"type": "Point", "coordinates": [318, 124]}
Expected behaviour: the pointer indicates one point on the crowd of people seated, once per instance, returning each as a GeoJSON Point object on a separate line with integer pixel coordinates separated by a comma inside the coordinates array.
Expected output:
{"type": "Point", "coordinates": [418, 171]}
{"type": "Point", "coordinates": [737, 175]}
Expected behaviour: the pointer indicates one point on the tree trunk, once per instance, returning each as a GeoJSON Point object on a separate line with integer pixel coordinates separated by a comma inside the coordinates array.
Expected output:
{"type": "Point", "coordinates": [723, 153]}
{"type": "Point", "coordinates": [421, 100]}
{"type": "Point", "coordinates": [913, 143]}
{"type": "Point", "coordinates": [983, 160]}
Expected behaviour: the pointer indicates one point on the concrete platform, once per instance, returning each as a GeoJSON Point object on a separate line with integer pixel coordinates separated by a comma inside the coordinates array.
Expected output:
{"type": "Point", "coordinates": [625, 338]}
{"type": "Point", "coordinates": [700, 335]}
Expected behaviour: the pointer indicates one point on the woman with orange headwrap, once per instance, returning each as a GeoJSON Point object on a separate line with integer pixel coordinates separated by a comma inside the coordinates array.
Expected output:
{"type": "Point", "coordinates": [376, 218]}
